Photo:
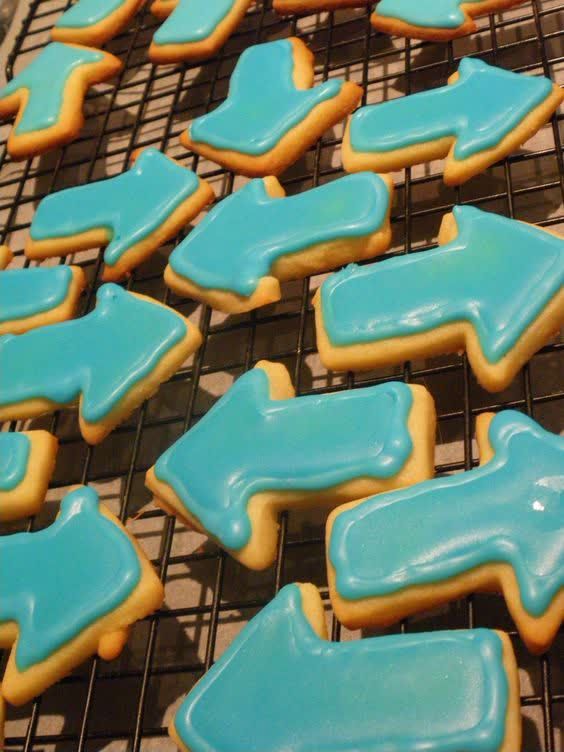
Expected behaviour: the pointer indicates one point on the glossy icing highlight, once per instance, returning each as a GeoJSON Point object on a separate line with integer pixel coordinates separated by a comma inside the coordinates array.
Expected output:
{"type": "Point", "coordinates": [509, 510]}
{"type": "Point", "coordinates": [15, 449]}
{"type": "Point", "coordinates": [86, 13]}
{"type": "Point", "coordinates": [262, 229]}
{"type": "Point", "coordinates": [192, 21]}
{"type": "Point", "coordinates": [484, 276]}
{"type": "Point", "coordinates": [443, 14]}
{"type": "Point", "coordinates": [52, 601]}
{"type": "Point", "coordinates": [479, 110]}
{"type": "Point", "coordinates": [263, 103]}
{"type": "Point", "coordinates": [28, 292]}
{"type": "Point", "coordinates": [46, 78]}
{"type": "Point", "coordinates": [100, 357]}
{"type": "Point", "coordinates": [306, 443]}
{"type": "Point", "coordinates": [130, 206]}
{"type": "Point", "coordinates": [440, 691]}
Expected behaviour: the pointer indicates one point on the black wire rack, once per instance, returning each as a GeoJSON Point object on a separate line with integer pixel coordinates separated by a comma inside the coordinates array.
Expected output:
{"type": "Point", "coordinates": [126, 704]}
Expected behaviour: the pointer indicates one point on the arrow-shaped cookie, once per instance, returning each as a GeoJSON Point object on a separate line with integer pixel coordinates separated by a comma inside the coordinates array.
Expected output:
{"type": "Point", "coordinates": [273, 112]}
{"type": "Point", "coordinates": [274, 452]}
{"type": "Point", "coordinates": [419, 19]}
{"type": "Point", "coordinates": [282, 687]}
{"type": "Point", "coordinates": [35, 297]}
{"type": "Point", "coordinates": [132, 214]}
{"type": "Point", "coordinates": [47, 96]}
{"type": "Point", "coordinates": [195, 29]}
{"type": "Point", "coordinates": [27, 460]}
{"type": "Point", "coordinates": [94, 22]}
{"type": "Point", "coordinates": [237, 255]}
{"type": "Point", "coordinates": [483, 115]}
{"type": "Point", "coordinates": [69, 591]}
{"type": "Point", "coordinates": [494, 287]}
{"type": "Point", "coordinates": [163, 8]}
{"type": "Point", "coordinates": [498, 527]}
{"type": "Point", "coordinates": [5, 256]}
{"type": "Point", "coordinates": [110, 361]}
{"type": "Point", "coordinates": [438, 20]}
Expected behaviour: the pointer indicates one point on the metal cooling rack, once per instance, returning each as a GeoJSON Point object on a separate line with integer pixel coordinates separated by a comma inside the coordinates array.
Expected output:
{"type": "Point", "coordinates": [126, 704]}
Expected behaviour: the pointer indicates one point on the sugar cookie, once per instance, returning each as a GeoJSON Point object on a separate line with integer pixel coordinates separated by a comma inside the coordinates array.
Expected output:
{"type": "Point", "coordinates": [288, 7]}
{"type": "Point", "coordinates": [163, 8]}
{"type": "Point", "coordinates": [496, 528]}
{"type": "Point", "coordinates": [47, 96]}
{"type": "Point", "coordinates": [133, 214]}
{"type": "Point", "coordinates": [495, 287]}
{"type": "Point", "coordinates": [70, 591]}
{"type": "Point", "coordinates": [35, 297]}
{"type": "Point", "coordinates": [195, 29]}
{"type": "Point", "coordinates": [483, 115]}
{"type": "Point", "coordinates": [94, 22]}
{"type": "Point", "coordinates": [27, 461]}
{"type": "Point", "coordinates": [273, 452]}
{"type": "Point", "coordinates": [6, 256]}
{"type": "Point", "coordinates": [438, 691]}
{"type": "Point", "coordinates": [436, 20]}
{"type": "Point", "coordinates": [273, 113]}
{"type": "Point", "coordinates": [239, 253]}
{"type": "Point", "coordinates": [110, 361]}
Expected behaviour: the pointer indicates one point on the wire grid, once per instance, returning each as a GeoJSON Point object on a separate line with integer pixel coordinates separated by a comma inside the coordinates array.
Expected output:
{"type": "Point", "coordinates": [126, 704]}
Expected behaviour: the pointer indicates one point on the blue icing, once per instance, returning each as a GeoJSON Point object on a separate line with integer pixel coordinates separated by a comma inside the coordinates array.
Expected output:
{"type": "Point", "coordinates": [58, 581]}
{"type": "Point", "coordinates": [241, 238]}
{"type": "Point", "coordinates": [281, 688]}
{"type": "Point", "coordinates": [86, 13]}
{"type": "Point", "coordinates": [101, 356]}
{"type": "Point", "coordinates": [129, 206]}
{"type": "Point", "coordinates": [14, 457]}
{"type": "Point", "coordinates": [263, 103]}
{"type": "Point", "coordinates": [510, 510]}
{"type": "Point", "coordinates": [307, 443]}
{"type": "Point", "coordinates": [485, 276]}
{"type": "Point", "coordinates": [479, 110]}
{"type": "Point", "coordinates": [27, 292]}
{"type": "Point", "coordinates": [192, 21]}
{"type": "Point", "coordinates": [445, 14]}
{"type": "Point", "coordinates": [46, 78]}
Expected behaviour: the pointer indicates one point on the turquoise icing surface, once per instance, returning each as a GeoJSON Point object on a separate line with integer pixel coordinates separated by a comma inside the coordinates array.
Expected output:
{"type": "Point", "coordinates": [101, 356]}
{"type": "Point", "coordinates": [27, 292]}
{"type": "Point", "coordinates": [14, 456]}
{"type": "Point", "coordinates": [86, 13]}
{"type": "Point", "coordinates": [46, 78]}
{"type": "Point", "coordinates": [192, 21]}
{"type": "Point", "coordinates": [510, 510]}
{"type": "Point", "coordinates": [485, 276]}
{"type": "Point", "coordinates": [281, 688]}
{"type": "Point", "coordinates": [130, 206]}
{"type": "Point", "coordinates": [480, 109]}
{"type": "Point", "coordinates": [261, 229]}
{"type": "Point", "coordinates": [305, 443]}
{"type": "Point", "coordinates": [57, 582]}
{"type": "Point", "coordinates": [445, 14]}
{"type": "Point", "coordinates": [263, 102]}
